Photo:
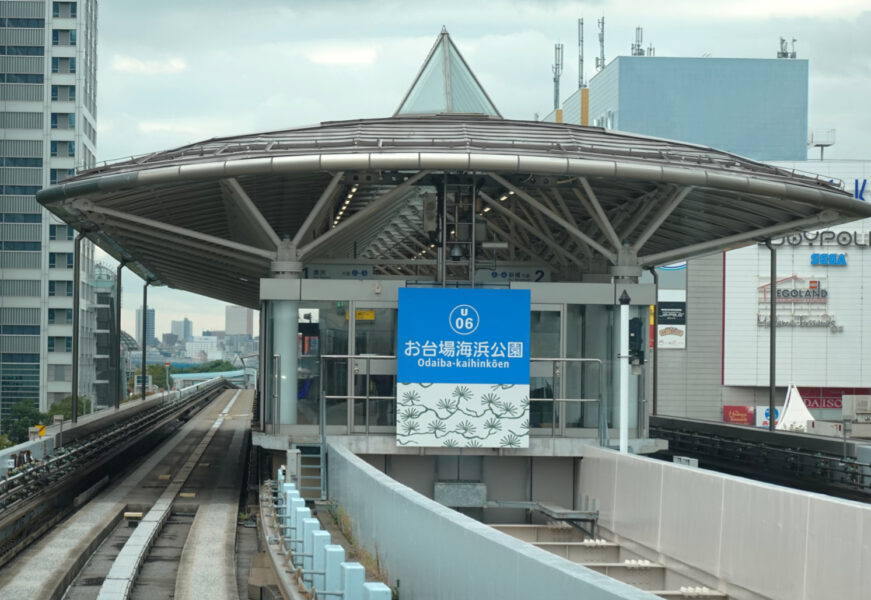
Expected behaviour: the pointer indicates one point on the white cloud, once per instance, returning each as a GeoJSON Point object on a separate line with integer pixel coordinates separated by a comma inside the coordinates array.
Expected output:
{"type": "Point", "coordinates": [129, 64]}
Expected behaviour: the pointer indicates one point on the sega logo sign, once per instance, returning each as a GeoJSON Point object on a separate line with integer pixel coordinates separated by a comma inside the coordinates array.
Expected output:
{"type": "Point", "coordinates": [831, 260]}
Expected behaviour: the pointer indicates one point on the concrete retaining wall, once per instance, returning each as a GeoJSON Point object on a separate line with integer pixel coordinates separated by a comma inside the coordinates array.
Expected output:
{"type": "Point", "coordinates": [772, 541]}
{"type": "Point", "coordinates": [436, 552]}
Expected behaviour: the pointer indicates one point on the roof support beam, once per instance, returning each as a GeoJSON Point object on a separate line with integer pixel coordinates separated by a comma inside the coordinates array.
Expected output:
{"type": "Point", "coordinates": [781, 229]}
{"type": "Point", "coordinates": [86, 206]}
{"type": "Point", "coordinates": [524, 225]}
{"type": "Point", "coordinates": [316, 215]}
{"type": "Point", "coordinates": [574, 231]}
{"type": "Point", "coordinates": [660, 217]}
{"type": "Point", "coordinates": [513, 243]}
{"type": "Point", "coordinates": [255, 227]}
{"type": "Point", "coordinates": [648, 201]}
{"type": "Point", "coordinates": [604, 222]}
{"type": "Point", "coordinates": [200, 249]}
{"type": "Point", "coordinates": [561, 202]}
{"type": "Point", "coordinates": [360, 216]}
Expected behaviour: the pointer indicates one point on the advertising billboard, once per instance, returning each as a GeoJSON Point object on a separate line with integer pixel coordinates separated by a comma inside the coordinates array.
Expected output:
{"type": "Point", "coordinates": [463, 368]}
{"type": "Point", "coordinates": [671, 329]}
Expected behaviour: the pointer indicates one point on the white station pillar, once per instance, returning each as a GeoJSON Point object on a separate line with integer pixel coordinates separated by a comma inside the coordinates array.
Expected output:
{"type": "Point", "coordinates": [285, 333]}
{"type": "Point", "coordinates": [624, 371]}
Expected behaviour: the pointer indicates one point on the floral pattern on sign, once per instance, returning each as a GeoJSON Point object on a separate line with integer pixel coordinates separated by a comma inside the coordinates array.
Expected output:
{"type": "Point", "coordinates": [453, 415]}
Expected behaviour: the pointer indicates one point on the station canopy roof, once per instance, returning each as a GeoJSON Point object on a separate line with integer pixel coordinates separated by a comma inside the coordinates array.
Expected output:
{"type": "Point", "coordinates": [210, 217]}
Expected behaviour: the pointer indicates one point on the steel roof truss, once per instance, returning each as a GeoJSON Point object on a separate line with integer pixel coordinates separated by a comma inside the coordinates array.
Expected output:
{"type": "Point", "coordinates": [659, 218]}
{"type": "Point", "coordinates": [513, 243]}
{"type": "Point", "coordinates": [524, 225]}
{"type": "Point", "coordinates": [611, 256]}
{"type": "Point", "coordinates": [199, 248]}
{"type": "Point", "coordinates": [647, 201]}
{"type": "Point", "coordinates": [604, 222]}
{"type": "Point", "coordinates": [813, 222]}
{"type": "Point", "coordinates": [252, 226]}
{"type": "Point", "coordinates": [230, 246]}
{"type": "Point", "coordinates": [319, 212]}
{"type": "Point", "coordinates": [367, 213]}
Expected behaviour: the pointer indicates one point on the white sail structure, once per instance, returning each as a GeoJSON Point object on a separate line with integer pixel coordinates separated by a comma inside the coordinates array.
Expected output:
{"type": "Point", "coordinates": [795, 412]}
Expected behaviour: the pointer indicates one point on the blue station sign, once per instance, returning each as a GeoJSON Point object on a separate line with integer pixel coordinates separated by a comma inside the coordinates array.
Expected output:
{"type": "Point", "coordinates": [463, 336]}
{"type": "Point", "coordinates": [463, 368]}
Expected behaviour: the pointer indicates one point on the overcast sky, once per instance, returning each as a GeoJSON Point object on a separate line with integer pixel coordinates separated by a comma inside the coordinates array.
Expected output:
{"type": "Point", "coordinates": [172, 72]}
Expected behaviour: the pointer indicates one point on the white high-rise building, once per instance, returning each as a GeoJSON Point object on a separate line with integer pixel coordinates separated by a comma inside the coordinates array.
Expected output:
{"type": "Point", "coordinates": [183, 329]}
{"type": "Point", "coordinates": [238, 320]}
{"type": "Point", "coordinates": [47, 133]}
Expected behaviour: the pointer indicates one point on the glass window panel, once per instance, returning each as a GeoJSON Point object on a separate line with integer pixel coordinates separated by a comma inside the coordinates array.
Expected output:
{"type": "Point", "coordinates": [375, 333]}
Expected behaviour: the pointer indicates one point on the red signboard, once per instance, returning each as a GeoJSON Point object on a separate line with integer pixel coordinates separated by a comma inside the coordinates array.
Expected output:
{"type": "Point", "coordinates": [828, 397]}
{"type": "Point", "coordinates": [739, 415]}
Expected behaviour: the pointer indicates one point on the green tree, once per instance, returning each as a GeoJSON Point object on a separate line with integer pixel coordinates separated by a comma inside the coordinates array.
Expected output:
{"type": "Point", "coordinates": [158, 376]}
{"type": "Point", "coordinates": [23, 415]}
{"type": "Point", "coordinates": [5, 442]}
{"type": "Point", "coordinates": [65, 407]}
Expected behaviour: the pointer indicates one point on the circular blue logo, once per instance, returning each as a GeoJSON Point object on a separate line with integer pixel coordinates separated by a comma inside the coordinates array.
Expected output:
{"type": "Point", "coordinates": [464, 319]}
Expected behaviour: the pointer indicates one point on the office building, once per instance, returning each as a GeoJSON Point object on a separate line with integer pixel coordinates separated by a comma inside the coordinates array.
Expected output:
{"type": "Point", "coordinates": [48, 124]}
{"type": "Point", "coordinates": [149, 339]}
{"type": "Point", "coordinates": [753, 107]}
{"type": "Point", "coordinates": [238, 320]}
{"type": "Point", "coordinates": [183, 330]}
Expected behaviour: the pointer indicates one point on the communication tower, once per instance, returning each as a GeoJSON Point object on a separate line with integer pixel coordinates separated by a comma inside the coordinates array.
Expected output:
{"type": "Point", "coordinates": [581, 82]}
{"type": "Point", "coordinates": [600, 60]}
{"type": "Point", "coordinates": [557, 72]}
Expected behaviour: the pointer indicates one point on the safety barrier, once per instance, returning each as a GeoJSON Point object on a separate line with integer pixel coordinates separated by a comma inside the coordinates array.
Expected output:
{"type": "Point", "coordinates": [437, 552]}
{"type": "Point", "coordinates": [318, 566]}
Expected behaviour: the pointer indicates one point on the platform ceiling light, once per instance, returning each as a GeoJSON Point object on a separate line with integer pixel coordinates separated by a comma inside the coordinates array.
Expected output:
{"type": "Point", "coordinates": [348, 199]}
{"type": "Point", "coordinates": [486, 209]}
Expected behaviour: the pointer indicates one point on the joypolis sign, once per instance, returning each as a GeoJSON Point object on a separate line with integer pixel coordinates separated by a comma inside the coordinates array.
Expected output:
{"type": "Point", "coordinates": [845, 239]}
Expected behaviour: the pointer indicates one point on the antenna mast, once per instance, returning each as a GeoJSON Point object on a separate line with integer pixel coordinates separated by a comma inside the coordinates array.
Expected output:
{"type": "Point", "coordinates": [600, 60]}
{"type": "Point", "coordinates": [557, 72]}
{"type": "Point", "coordinates": [637, 48]}
{"type": "Point", "coordinates": [581, 82]}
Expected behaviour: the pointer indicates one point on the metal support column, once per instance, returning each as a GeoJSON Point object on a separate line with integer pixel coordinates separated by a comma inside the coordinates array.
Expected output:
{"type": "Point", "coordinates": [120, 386]}
{"type": "Point", "coordinates": [654, 343]}
{"type": "Point", "coordinates": [144, 332]}
{"type": "Point", "coordinates": [772, 337]}
{"type": "Point", "coordinates": [77, 284]}
{"type": "Point", "coordinates": [285, 332]}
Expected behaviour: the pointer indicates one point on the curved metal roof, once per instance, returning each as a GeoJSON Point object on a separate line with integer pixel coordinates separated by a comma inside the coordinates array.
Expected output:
{"type": "Point", "coordinates": [209, 217]}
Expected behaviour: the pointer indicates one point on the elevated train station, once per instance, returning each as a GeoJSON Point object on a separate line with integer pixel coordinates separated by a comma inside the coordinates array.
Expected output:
{"type": "Point", "coordinates": [339, 233]}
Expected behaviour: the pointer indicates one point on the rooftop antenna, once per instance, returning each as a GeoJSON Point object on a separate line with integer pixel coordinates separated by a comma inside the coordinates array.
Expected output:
{"type": "Point", "coordinates": [581, 82]}
{"type": "Point", "coordinates": [557, 72]}
{"type": "Point", "coordinates": [784, 51]}
{"type": "Point", "coordinates": [637, 48]}
{"type": "Point", "coordinates": [600, 60]}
